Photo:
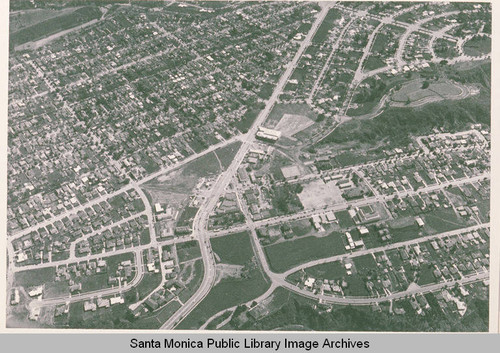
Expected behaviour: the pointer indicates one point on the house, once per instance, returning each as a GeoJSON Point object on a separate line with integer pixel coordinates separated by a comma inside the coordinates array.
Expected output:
{"type": "Point", "coordinates": [75, 287]}
{"type": "Point", "coordinates": [330, 216]}
{"type": "Point", "coordinates": [89, 306]}
{"type": "Point", "coordinates": [309, 282]}
{"type": "Point", "coordinates": [363, 230]}
{"type": "Point", "coordinates": [151, 304]}
{"type": "Point", "coordinates": [116, 300]}
{"type": "Point", "coordinates": [15, 298]}
{"type": "Point", "coordinates": [103, 303]}
{"type": "Point", "coordinates": [419, 221]}
{"type": "Point", "coordinates": [36, 291]}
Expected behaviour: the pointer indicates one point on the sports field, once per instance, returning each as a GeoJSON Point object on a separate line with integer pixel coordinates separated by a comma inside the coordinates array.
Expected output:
{"type": "Point", "coordinates": [413, 93]}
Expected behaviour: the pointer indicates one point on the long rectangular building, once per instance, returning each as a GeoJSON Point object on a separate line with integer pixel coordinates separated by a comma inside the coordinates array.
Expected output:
{"type": "Point", "coordinates": [268, 134]}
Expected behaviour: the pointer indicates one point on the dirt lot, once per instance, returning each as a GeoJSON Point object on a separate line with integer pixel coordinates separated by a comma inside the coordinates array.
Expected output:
{"type": "Point", "coordinates": [290, 124]}
{"type": "Point", "coordinates": [317, 194]}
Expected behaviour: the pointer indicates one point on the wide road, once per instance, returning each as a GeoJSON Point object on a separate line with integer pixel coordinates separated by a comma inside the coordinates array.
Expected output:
{"type": "Point", "coordinates": [201, 218]}
{"type": "Point", "coordinates": [352, 204]}
{"type": "Point", "coordinates": [107, 196]}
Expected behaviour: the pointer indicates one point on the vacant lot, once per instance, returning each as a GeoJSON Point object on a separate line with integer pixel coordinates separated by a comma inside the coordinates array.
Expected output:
{"type": "Point", "coordinates": [327, 24]}
{"type": "Point", "coordinates": [35, 277]}
{"type": "Point", "coordinates": [331, 271]}
{"type": "Point", "coordinates": [226, 154]}
{"type": "Point", "coordinates": [317, 194]}
{"type": "Point", "coordinates": [188, 250]}
{"type": "Point", "coordinates": [227, 293]}
{"type": "Point", "coordinates": [55, 24]}
{"type": "Point", "coordinates": [356, 287]}
{"type": "Point", "coordinates": [281, 109]}
{"type": "Point", "coordinates": [285, 255]}
{"type": "Point", "coordinates": [373, 62]}
{"type": "Point", "coordinates": [364, 262]}
{"type": "Point", "coordinates": [192, 278]}
{"type": "Point", "coordinates": [233, 249]}
{"type": "Point", "coordinates": [478, 46]}
{"type": "Point", "coordinates": [148, 283]}
{"type": "Point", "coordinates": [204, 166]}
{"type": "Point", "coordinates": [442, 220]}
{"type": "Point", "coordinates": [290, 124]}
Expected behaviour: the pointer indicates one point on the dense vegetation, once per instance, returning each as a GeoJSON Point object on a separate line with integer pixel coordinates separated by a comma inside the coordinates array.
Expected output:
{"type": "Point", "coordinates": [285, 198]}
{"type": "Point", "coordinates": [396, 125]}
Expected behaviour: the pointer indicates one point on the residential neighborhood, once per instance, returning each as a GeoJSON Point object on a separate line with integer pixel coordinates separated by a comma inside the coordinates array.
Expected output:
{"type": "Point", "coordinates": [249, 165]}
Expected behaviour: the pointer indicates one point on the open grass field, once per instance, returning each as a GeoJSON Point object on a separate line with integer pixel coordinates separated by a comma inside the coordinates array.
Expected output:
{"type": "Point", "coordinates": [204, 166]}
{"type": "Point", "coordinates": [162, 315]}
{"type": "Point", "coordinates": [53, 25]}
{"type": "Point", "coordinates": [356, 287]}
{"type": "Point", "coordinates": [327, 24]}
{"type": "Point", "coordinates": [188, 250]}
{"type": "Point", "coordinates": [295, 108]}
{"type": "Point", "coordinates": [55, 289]}
{"type": "Point", "coordinates": [345, 221]}
{"type": "Point", "coordinates": [225, 294]}
{"type": "Point", "coordinates": [477, 46]}
{"type": "Point", "coordinates": [285, 255]}
{"type": "Point", "coordinates": [405, 233]}
{"type": "Point", "coordinates": [149, 282]}
{"type": "Point", "coordinates": [426, 275]}
{"type": "Point", "coordinates": [27, 18]}
{"type": "Point", "coordinates": [186, 216]}
{"type": "Point", "coordinates": [35, 277]}
{"type": "Point", "coordinates": [248, 118]}
{"type": "Point", "coordinates": [373, 62]}
{"type": "Point", "coordinates": [330, 271]}
{"type": "Point", "coordinates": [145, 237]}
{"type": "Point", "coordinates": [233, 249]}
{"type": "Point", "coordinates": [301, 227]}
{"type": "Point", "coordinates": [226, 154]}
{"type": "Point", "coordinates": [442, 220]}
{"type": "Point", "coordinates": [192, 281]}
{"type": "Point", "coordinates": [364, 262]}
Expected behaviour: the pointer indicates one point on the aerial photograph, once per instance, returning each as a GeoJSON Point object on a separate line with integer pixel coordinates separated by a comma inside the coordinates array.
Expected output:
{"type": "Point", "coordinates": [249, 165]}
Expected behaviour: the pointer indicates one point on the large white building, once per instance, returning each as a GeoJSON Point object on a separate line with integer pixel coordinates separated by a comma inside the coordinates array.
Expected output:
{"type": "Point", "coordinates": [268, 134]}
